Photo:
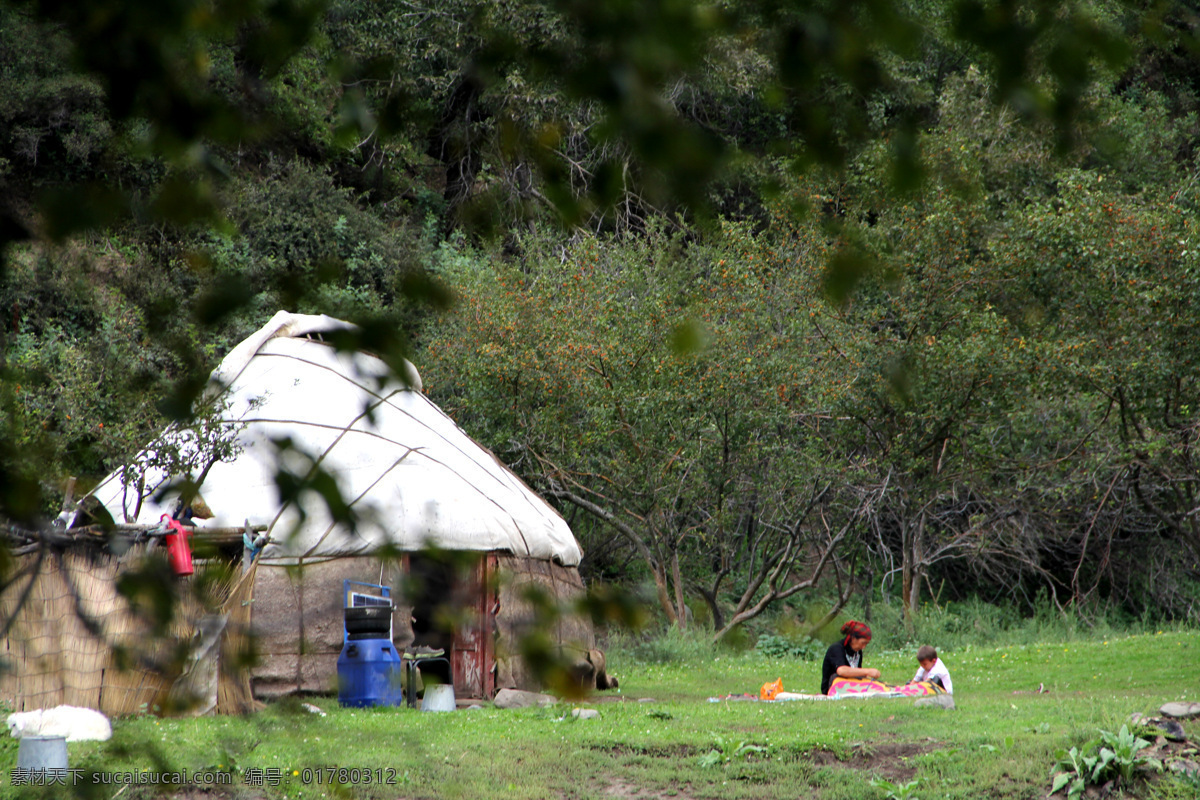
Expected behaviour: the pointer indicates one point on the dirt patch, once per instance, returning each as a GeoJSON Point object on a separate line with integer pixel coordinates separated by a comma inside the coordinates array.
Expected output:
{"type": "Point", "coordinates": [628, 791]}
{"type": "Point", "coordinates": [207, 793]}
{"type": "Point", "coordinates": [891, 760]}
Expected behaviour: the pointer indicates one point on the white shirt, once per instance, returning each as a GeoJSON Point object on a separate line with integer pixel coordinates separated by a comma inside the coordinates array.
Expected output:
{"type": "Point", "coordinates": [938, 670]}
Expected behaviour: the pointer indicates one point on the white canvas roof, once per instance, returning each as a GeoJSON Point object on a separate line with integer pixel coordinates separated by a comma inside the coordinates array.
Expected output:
{"type": "Point", "coordinates": [414, 477]}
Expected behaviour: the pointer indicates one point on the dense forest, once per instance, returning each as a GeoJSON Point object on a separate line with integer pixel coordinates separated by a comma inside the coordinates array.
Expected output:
{"type": "Point", "coordinates": [884, 300]}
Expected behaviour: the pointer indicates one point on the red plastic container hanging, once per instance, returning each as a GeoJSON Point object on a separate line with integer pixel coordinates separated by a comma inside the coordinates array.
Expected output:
{"type": "Point", "coordinates": [179, 552]}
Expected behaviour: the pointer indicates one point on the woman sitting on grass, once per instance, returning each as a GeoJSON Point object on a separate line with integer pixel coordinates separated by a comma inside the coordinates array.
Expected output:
{"type": "Point", "coordinates": [844, 659]}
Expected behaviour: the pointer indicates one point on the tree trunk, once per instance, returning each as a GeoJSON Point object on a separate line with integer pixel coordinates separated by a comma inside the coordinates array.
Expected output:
{"type": "Point", "coordinates": [906, 570]}
{"type": "Point", "coordinates": [913, 566]}
{"type": "Point", "coordinates": [655, 564]}
{"type": "Point", "coordinates": [664, 596]}
{"type": "Point", "coordinates": [718, 616]}
{"type": "Point", "coordinates": [918, 567]}
{"type": "Point", "coordinates": [680, 604]}
{"type": "Point", "coordinates": [868, 592]}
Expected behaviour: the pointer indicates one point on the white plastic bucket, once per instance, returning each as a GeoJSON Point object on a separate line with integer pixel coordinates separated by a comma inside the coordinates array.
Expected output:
{"type": "Point", "coordinates": [438, 697]}
{"type": "Point", "coordinates": [42, 753]}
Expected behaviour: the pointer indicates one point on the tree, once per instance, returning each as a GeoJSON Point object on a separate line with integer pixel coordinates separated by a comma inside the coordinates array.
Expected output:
{"type": "Point", "coordinates": [622, 116]}
{"type": "Point", "coordinates": [661, 385]}
{"type": "Point", "coordinates": [1102, 275]}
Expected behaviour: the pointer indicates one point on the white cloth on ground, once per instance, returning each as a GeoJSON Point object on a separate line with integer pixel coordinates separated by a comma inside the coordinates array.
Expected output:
{"type": "Point", "coordinates": [73, 722]}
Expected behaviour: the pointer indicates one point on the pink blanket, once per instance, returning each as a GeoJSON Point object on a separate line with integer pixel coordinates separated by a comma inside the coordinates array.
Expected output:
{"type": "Point", "coordinates": [848, 687]}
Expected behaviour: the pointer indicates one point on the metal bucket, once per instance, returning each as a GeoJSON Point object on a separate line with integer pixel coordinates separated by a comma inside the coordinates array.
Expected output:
{"type": "Point", "coordinates": [438, 697]}
{"type": "Point", "coordinates": [42, 753]}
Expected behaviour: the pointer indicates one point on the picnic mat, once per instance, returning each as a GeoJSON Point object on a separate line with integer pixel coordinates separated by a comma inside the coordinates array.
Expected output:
{"type": "Point", "coordinates": [861, 687]}
{"type": "Point", "coordinates": [840, 689]}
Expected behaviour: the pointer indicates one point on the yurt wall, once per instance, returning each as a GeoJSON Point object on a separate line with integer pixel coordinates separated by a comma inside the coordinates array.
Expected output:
{"type": "Point", "coordinates": [297, 617]}
{"type": "Point", "coordinates": [516, 616]}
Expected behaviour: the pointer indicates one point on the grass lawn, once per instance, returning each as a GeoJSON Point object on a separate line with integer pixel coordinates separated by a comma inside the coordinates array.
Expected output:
{"type": "Point", "coordinates": [661, 737]}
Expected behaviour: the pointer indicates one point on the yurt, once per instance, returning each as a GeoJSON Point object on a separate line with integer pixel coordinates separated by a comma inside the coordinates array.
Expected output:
{"type": "Point", "coordinates": [436, 517]}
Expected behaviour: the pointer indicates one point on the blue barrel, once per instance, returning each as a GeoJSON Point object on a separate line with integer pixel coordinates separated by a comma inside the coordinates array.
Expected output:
{"type": "Point", "coordinates": [369, 674]}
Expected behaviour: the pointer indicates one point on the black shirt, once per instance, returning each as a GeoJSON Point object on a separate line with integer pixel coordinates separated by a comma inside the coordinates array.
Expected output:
{"type": "Point", "coordinates": [836, 656]}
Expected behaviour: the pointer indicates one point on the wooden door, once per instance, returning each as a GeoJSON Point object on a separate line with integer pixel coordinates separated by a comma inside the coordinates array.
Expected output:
{"type": "Point", "coordinates": [473, 654]}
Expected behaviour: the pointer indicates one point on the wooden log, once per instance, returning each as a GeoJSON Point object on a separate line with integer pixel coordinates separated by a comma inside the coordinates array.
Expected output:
{"type": "Point", "coordinates": [24, 541]}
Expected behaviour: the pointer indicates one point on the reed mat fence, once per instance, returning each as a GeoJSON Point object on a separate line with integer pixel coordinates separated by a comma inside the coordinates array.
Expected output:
{"type": "Point", "coordinates": [70, 637]}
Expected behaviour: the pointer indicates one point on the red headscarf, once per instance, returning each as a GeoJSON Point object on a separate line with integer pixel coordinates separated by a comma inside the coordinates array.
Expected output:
{"type": "Point", "coordinates": [857, 630]}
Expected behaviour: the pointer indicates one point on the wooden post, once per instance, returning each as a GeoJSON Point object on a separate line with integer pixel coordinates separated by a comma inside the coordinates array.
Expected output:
{"type": "Point", "coordinates": [68, 495]}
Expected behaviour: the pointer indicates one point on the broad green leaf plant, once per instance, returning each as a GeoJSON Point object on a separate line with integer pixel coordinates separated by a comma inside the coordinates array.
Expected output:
{"type": "Point", "coordinates": [1109, 757]}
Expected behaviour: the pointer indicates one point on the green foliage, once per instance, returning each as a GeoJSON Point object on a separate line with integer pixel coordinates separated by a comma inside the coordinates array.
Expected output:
{"type": "Point", "coordinates": [181, 457]}
{"type": "Point", "coordinates": [547, 361]}
{"type": "Point", "coordinates": [944, 387]}
{"type": "Point", "coordinates": [996, 198]}
{"type": "Point", "coordinates": [53, 124]}
{"type": "Point", "coordinates": [303, 242]}
{"type": "Point", "coordinates": [726, 751]}
{"type": "Point", "coordinates": [1111, 756]}
{"type": "Point", "coordinates": [807, 649]}
{"type": "Point", "coordinates": [671, 646]}
{"type": "Point", "coordinates": [974, 622]}
{"type": "Point", "coordinates": [1119, 755]}
{"type": "Point", "coordinates": [1189, 782]}
{"type": "Point", "coordinates": [1070, 773]}
{"type": "Point", "coordinates": [897, 791]}
{"type": "Point", "coordinates": [81, 378]}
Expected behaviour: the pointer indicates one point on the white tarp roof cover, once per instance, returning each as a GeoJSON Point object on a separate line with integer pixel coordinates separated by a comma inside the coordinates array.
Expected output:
{"type": "Point", "coordinates": [415, 478]}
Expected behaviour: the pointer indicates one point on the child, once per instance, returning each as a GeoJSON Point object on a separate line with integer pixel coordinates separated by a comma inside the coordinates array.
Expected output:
{"type": "Point", "coordinates": [932, 669]}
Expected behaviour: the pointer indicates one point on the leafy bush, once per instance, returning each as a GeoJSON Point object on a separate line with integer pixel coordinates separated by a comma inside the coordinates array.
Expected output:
{"type": "Point", "coordinates": [806, 649]}
{"type": "Point", "coordinates": [897, 791]}
{"type": "Point", "coordinates": [669, 647]}
{"type": "Point", "coordinates": [1111, 756]}
{"type": "Point", "coordinates": [726, 751]}
{"type": "Point", "coordinates": [954, 625]}
{"type": "Point", "coordinates": [298, 228]}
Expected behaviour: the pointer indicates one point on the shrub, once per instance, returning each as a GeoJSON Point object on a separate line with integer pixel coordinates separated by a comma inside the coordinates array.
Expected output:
{"type": "Point", "coordinates": [1111, 756]}
{"type": "Point", "coordinates": [805, 649]}
{"type": "Point", "coordinates": [671, 646]}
